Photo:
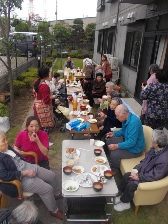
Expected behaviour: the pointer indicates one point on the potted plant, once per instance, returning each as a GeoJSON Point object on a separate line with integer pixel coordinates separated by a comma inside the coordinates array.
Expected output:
{"type": "Point", "coordinates": [4, 118]}
{"type": "Point", "coordinates": [123, 91]}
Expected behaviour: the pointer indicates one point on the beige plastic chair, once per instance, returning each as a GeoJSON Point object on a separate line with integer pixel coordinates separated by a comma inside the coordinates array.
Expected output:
{"type": "Point", "coordinates": [148, 193]}
{"type": "Point", "coordinates": [128, 164]}
{"type": "Point", "coordinates": [18, 184]}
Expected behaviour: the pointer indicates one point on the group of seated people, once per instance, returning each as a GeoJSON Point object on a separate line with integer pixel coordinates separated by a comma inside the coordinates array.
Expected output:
{"type": "Point", "coordinates": [127, 142]}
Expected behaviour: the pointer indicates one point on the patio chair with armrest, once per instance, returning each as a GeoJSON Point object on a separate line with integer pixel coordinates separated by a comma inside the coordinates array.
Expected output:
{"type": "Point", "coordinates": [18, 184]}
{"type": "Point", "coordinates": [148, 193]}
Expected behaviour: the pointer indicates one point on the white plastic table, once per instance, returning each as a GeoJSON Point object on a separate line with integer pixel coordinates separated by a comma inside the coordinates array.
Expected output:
{"type": "Point", "coordinates": [87, 160]}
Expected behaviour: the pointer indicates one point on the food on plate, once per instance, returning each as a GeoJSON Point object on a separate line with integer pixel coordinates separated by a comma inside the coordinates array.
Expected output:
{"type": "Point", "coordinates": [70, 162]}
{"type": "Point", "coordinates": [71, 188]}
{"type": "Point", "coordinates": [77, 170]}
{"type": "Point", "coordinates": [70, 150]}
{"type": "Point", "coordinates": [100, 160]}
{"type": "Point", "coordinates": [85, 180]}
{"type": "Point", "coordinates": [94, 169]}
{"type": "Point", "coordinates": [71, 153]}
{"type": "Point", "coordinates": [98, 168]}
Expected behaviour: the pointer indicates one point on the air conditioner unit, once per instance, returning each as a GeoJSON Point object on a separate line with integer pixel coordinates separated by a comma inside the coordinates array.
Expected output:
{"type": "Point", "coordinates": [114, 63]}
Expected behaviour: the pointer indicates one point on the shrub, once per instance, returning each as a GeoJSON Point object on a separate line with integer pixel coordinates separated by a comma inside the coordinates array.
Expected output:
{"type": "Point", "coordinates": [24, 75]}
{"type": "Point", "coordinates": [4, 110]}
{"type": "Point", "coordinates": [56, 54]}
{"type": "Point", "coordinates": [73, 54]}
{"type": "Point", "coordinates": [80, 56]}
{"type": "Point", "coordinates": [49, 62]}
{"type": "Point", "coordinates": [29, 81]}
{"type": "Point", "coordinates": [17, 86]}
{"type": "Point", "coordinates": [32, 69]}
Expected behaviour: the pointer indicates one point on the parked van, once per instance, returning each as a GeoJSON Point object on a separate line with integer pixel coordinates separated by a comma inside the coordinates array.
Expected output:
{"type": "Point", "coordinates": [25, 43]}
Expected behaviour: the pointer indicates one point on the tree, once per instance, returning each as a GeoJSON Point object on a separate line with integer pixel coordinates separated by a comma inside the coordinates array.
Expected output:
{"type": "Point", "coordinates": [6, 6]}
{"type": "Point", "coordinates": [62, 33]}
{"type": "Point", "coordinates": [90, 32]}
{"type": "Point", "coordinates": [33, 22]}
{"type": "Point", "coordinates": [45, 39]}
{"type": "Point", "coordinates": [20, 25]}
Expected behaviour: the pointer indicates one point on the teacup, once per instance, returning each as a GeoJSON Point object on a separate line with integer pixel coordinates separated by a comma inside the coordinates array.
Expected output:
{"type": "Point", "coordinates": [134, 171]}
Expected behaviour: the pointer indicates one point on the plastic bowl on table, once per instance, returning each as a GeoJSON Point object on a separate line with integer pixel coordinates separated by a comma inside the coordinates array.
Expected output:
{"type": "Point", "coordinates": [82, 107]}
{"type": "Point", "coordinates": [97, 152]}
{"type": "Point", "coordinates": [97, 186]}
{"type": "Point", "coordinates": [108, 174]}
{"type": "Point", "coordinates": [67, 170]}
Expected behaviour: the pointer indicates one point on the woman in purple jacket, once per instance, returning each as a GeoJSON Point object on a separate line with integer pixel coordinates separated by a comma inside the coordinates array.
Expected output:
{"type": "Point", "coordinates": [153, 167]}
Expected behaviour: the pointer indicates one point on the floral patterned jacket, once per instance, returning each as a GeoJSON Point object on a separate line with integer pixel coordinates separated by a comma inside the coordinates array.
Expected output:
{"type": "Point", "coordinates": [156, 95]}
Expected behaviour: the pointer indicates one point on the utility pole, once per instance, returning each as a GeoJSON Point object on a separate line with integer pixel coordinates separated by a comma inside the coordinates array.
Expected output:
{"type": "Point", "coordinates": [56, 13]}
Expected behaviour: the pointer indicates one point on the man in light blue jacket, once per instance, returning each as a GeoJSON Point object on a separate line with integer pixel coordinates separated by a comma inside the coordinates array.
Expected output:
{"type": "Point", "coordinates": [129, 141]}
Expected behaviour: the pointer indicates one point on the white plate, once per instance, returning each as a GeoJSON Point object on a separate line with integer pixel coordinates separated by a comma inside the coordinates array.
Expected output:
{"type": "Point", "coordinates": [92, 121]}
{"type": "Point", "coordinates": [72, 156]}
{"type": "Point", "coordinates": [70, 185]}
{"type": "Point", "coordinates": [101, 158]}
{"type": "Point", "coordinates": [85, 101]}
{"type": "Point", "coordinates": [99, 170]}
{"type": "Point", "coordinates": [99, 143]}
{"type": "Point", "coordinates": [82, 180]}
{"type": "Point", "coordinates": [81, 169]}
{"type": "Point", "coordinates": [80, 119]}
{"type": "Point", "coordinates": [84, 113]}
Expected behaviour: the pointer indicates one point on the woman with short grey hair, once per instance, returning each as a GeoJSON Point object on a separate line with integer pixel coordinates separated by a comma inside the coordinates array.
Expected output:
{"type": "Point", "coordinates": [159, 138]}
{"type": "Point", "coordinates": [27, 212]}
{"type": "Point", "coordinates": [109, 87]}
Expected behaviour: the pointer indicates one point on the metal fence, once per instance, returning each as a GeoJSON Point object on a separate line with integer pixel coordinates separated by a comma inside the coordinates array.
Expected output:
{"type": "Point", "coordinates": [22, 67]}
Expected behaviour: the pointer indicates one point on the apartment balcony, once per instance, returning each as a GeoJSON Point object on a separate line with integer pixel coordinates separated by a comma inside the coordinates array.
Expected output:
{"type": "Point", "coordinates": [142, 2]}
{"type": "Point", "coordinates": [101, 6]}
{"type": "Point", "coordinates": [110, 1]}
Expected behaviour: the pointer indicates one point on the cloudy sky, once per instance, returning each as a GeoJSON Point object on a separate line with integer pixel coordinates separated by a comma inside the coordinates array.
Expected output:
{"type": "Point", "coordinates": [66, 9]}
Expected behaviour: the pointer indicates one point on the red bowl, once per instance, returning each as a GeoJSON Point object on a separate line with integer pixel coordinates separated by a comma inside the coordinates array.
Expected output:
{"type": "Point", "coordinates": [97, 152]}
{"type": "Point", "coordinates": [97, 186]}
{"type": "Point", "coordinates": [70, 98]}
{"type": "Point", "coordinates": [82, 107]}
{"type": "Point", "coordinates": [108, 174]}
{"type": "Point", "coordinates": [67, 170]}
{"type": "Point", "coordinates": [85, 97]}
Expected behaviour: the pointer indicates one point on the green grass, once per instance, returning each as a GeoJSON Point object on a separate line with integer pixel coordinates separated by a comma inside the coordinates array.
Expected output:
{"type": "Point", "coordinates": [78, 63]}
{"type": "Point", "coordinates": [12, 133]}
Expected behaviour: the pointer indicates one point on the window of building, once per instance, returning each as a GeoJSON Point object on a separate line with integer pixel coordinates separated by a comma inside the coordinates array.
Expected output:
{"type": "Point", "coordinates": [100, 41]}
{"type": "Point", "coordinates": [132, 48]}
{"type": "Point", "coordinates": [105, 41]}
{"type": "Point", "coordinates": [110, 42]}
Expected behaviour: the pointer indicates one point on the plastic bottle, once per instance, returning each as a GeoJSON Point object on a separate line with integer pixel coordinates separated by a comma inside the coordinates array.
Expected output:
{"type": "Point", "coordinates": [74, 103]}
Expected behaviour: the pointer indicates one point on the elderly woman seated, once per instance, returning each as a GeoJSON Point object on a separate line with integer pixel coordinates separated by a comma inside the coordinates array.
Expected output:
{"type": "Point", "coordinates": [110, 120]}
{"type": "Point", "coordinates": [153, 167]}
{"type": "Point", "coordinates": [104, 102]}
{"type": "Point", "coordinates": [34, 178]}
{"type": "Point", "coordinates": [98, 88]}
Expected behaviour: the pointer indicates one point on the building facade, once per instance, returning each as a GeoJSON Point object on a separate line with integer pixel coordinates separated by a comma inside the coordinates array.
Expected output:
{"type": "Point", "coordinates": [135, 32]}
